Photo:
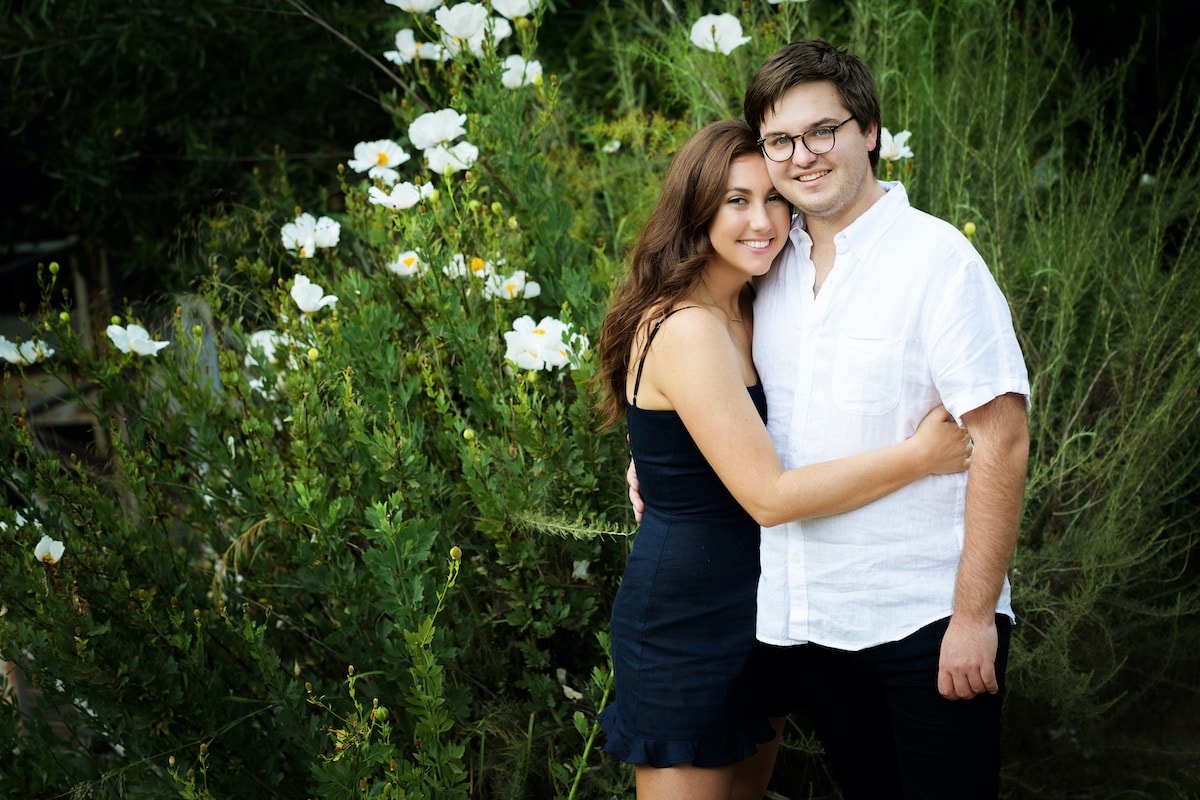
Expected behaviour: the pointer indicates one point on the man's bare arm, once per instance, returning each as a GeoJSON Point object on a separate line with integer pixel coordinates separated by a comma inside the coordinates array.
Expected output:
{"type": "Point", "coordinates": [995, 496]}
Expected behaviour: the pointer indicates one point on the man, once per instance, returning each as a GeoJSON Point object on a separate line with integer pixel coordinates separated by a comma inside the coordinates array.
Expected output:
{"type": "Point", "coordinates": [887, 627]}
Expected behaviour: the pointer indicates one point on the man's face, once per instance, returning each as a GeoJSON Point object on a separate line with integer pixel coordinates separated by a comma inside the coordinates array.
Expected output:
{"type": "Point", "coordinates": [835, 186]}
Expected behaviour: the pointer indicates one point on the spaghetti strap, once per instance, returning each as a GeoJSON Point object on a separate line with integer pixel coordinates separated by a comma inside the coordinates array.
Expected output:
{"type": "Point", "coordinates": [637, 381]}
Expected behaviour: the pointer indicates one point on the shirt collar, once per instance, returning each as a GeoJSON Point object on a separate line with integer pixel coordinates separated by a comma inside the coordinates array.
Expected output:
{"type": "Point", "coordinates": [869, 226]}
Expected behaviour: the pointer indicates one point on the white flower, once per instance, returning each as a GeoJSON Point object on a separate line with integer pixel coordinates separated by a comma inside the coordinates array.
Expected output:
{"type": "Point", "coordinates": [409, 49]}
{"type": "Point", "coordinates": [49, 550]}
{"type": "Point", "coordinates": [462, 21]}
{"type": "Point", "coordinates": [894, 148]}
{"type": "Point", "coordinates": [498, 28]}
{"type": "Point", "coordinates": [441, 159]}
{"type": "Point", "coordinates": [406, 47]}
{"type": "Point", "coordinates": [406, 264]}
{"type": "Point", "coordinates": [542, 345]}
{"type": "Point", "coordinates": [719, 33]}
{"type": "Point", "coordinates": [309, 296]}
{"type": "Point", "coordinates": [515, 8]}
{"type": "Point", "coordinates": [378, 159]}
{"type": "Point", "coordinates": [21, 522]}
{"type": "Point", "coordinates": [436, 128]}
{"type": "Point", "coordinates": [402, 196]}
{"type": "Point", "coordinates": [415, 6]}
{"type": "Point", "coordinates": [518, 72]}
{"type": "Point", "coordinates": [460, 267]}
{"type": "Point", "coordinates": [25, 353]}
{"type": "Point", "coordinates": [307, 233]}
{"type": "Point", "coordinates": [611, 146]}
{"type": "Point", "coordinates": [512, 287]}
{"type": "Point", "coordinates": [457, 267]}
{"type": "Point", "coordinates": [580, 570]}
{"type": "Point", "coordinates": [468, 24]}
{"type": "Point", "coordinates": [134, 339]}
{"type": "Point", "coordinates": [433, 51]}
{"type": "Point", "coordinates": [266, 342]}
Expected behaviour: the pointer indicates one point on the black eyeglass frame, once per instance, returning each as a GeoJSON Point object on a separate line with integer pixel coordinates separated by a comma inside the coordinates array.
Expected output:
{"type": "Point", "coordinates": [761, 141]}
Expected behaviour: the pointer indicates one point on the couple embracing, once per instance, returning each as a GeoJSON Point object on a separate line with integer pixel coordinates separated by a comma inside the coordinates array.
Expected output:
{"type": "Point", "coordinates": [835, 557]}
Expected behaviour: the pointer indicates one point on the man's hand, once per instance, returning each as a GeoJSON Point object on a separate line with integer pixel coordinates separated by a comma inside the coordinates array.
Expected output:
{"type": "Point", "coordinates": [967, 666]}
{"type": "Point", "coordinates": [635, 496]}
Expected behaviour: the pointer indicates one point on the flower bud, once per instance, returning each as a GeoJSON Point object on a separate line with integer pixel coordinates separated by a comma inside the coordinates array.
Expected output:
{"type": "Point", "coordinates": [456, 553]}
{"type": "Point", "coordinates": [497, 209]}
{"type": "Point", "coordinates": [64, 316]}
{"type": "Point", "coordinates": [469, 434]}
{"type": "Point", "coordinates": [969, 230]}
{"type": "Point", "coordinates": [53, 267]}
{"type": "Point", "coordinates": [313, 354]}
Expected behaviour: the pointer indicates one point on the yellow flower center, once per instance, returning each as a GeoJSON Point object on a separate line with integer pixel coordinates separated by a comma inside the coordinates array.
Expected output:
{"type": "Point", "coordinates": [382, 158]}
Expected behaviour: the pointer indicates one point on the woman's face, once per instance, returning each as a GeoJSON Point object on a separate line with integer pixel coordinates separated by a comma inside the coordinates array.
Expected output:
{"type": "Point", "coordinates": [751, 225]}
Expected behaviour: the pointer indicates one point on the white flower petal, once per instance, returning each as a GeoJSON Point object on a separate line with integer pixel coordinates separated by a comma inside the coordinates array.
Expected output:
{"type": "Point", "coordinates": [309, 296]}
{"type": "Point", "coordinates": [436, 128]}
{"type": "Point", "coordinates": [718, 33]}
{"type": "Point", "coordinates": [49, 550]}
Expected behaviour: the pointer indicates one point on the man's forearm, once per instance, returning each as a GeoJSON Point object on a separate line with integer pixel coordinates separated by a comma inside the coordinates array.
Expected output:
{"type": "Point", "coordinates": [994, 503]}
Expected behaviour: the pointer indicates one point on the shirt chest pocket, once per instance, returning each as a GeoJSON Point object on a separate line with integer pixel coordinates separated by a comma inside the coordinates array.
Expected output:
{"type": "Point", "coordinates": [868, 374]}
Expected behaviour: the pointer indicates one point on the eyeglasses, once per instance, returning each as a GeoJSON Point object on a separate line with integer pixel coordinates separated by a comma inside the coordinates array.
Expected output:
{"type": "Point", "coordinates": [781, 147]}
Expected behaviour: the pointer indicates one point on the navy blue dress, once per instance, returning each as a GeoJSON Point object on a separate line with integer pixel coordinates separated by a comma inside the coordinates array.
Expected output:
{"type": "Point", "coordinates": [683, 620]}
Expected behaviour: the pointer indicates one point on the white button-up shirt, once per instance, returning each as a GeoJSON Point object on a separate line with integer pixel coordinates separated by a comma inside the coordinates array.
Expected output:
{"type": "Point", "coordinates": [909, 317]}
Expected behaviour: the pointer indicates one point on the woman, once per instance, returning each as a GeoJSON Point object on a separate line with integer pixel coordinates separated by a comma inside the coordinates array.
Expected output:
{"type": "Point", "coordinates": [675, 360]}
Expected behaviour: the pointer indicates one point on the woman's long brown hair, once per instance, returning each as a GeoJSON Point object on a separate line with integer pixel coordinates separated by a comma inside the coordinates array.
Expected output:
{"type": "Point", "coordinates": [671, 253]}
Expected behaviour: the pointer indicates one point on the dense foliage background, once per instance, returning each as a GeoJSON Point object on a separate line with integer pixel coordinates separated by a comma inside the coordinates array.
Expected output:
{"type": "Point", "coordinates": [355, 550]}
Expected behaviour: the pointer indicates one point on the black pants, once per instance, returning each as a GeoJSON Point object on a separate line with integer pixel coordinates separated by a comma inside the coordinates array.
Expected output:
{"type": "Point", "coordinates": [885, 729]}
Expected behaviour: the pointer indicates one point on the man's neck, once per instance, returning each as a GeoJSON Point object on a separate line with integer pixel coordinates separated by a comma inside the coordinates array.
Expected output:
{"type": "Point", "coordinates": [823, 229]}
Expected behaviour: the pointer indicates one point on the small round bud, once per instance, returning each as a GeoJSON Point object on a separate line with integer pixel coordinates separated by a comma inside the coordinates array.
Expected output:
{"type": "Point", "coordinates": [469, 434]}
{"type": "Point", "coordinates": [196, 331]}
{"type": "Point", "coordinates": [114, 319]}
{"type": "Point", "coordinates": [497, 209]}
{"type": "Point", "coordinates": [64, 316]}
{"type": "Point", "coordinates": [53, 267]}
{"type": "Point", "coordinates": [313, 354]}
{"type": "Point", "coordinates": [456, 553]}
{"type": "Point", "coordinates": [969, 230]}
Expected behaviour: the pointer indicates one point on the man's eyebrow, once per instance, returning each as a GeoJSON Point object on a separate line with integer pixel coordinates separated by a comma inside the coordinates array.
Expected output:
{"type": "Point", "coordinates": [824, 123]}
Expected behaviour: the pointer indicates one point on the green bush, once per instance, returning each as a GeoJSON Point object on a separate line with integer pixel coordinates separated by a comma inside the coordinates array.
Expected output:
{"type": "Point", "coordinates": [368, 549]}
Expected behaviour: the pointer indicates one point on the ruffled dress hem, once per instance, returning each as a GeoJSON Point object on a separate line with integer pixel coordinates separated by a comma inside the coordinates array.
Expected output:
{"type": "Point", "coordinates": [713, 751]}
